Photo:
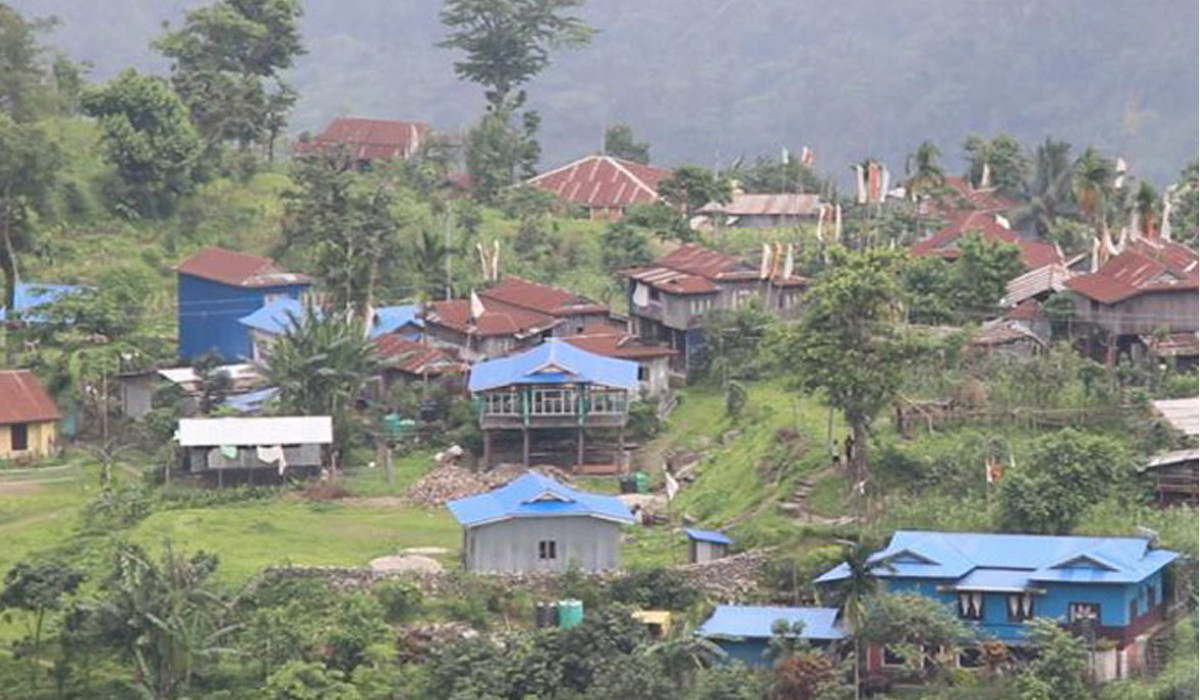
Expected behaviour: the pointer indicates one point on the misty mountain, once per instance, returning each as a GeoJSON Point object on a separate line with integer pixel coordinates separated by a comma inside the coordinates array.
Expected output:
{"type": "Point", "coordinates": [706, 81]}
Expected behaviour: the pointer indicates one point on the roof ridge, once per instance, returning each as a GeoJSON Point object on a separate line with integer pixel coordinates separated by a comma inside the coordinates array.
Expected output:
{"type": "Point", "coordinates": [637, 180]}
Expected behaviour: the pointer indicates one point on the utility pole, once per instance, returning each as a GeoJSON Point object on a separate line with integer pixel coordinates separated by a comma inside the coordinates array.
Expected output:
{"type": "Point", "coordinates": [446, 249]}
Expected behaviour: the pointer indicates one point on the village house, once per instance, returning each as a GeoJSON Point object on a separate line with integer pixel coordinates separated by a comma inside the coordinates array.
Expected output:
{"type": "Point", "coordinates": [28, 417]}
{"type": "Point", "coordinates": [753, 210]}
{"type": "Point", "coordinates": [653, 360]}
{"type": "Point", "coordinates": [404, 320]}
{"type": "Point", "coordinates": [366, 140]}
{"type": "Point", "coordinates": [1112, 588]}
{"type": "Point", "coordinates": [706, 545]}
{"type": "Point", "coordinates": [553, 395]}
{"type": "Point", "coordinates": [508, 316]}
{"type": "Point", "coordinates": [1175, 475]}
{"type": "Point", "coordinates": [1010, 337]}
{"type": "Point", "coordinates": [536, 524]}
{"type": "Point", "coordinates": [29, 297]}
{"type": "Point", "coordinates": [1143, 294]}
{"type": "Point", "coordinates": [404, 360]}
{"type": "Point", "coordinates": [604, 185]}
{"type": "Point", "coordinates": [989, 226]}
{"type": "Point", "coordinates": [262, 450]}
{"type": "Point", "coordinates": [216, 289]}
{"type": "Point", "coordinates": [267, 325]}
{"type": "Point", "coordinates": [744, 632]}
{"type": "Point", "coordinates": [669, 297]}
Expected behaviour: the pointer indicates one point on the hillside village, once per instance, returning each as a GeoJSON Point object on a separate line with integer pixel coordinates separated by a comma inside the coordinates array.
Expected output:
{"type": "Point", "coordinates": [390, 411]}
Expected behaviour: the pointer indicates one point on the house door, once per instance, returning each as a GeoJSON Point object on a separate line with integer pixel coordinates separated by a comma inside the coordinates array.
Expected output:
{"type": "Point", "coordinates": [20, 437]}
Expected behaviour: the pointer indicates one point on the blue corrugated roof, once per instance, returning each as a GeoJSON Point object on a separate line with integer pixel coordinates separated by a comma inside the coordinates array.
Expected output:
{"type": "Point", "coordinates": [952, 555]}
{"type": "Point", "coordinates": [752, 621]}
{"type": "Point", "coordinates": [276, 317]}
{"type": "Point", "coordinates": [534, 495]}
{"type": "Point", "coordinates": [30, 295]}
{"type": "Point", "coordinates": [996, 580]}
{"type": "Point", "coordinates": [252, 401]}
{"type": "Point", "coordinates": [390, 318]}
{"type": "Point", "coordinates": [554, 362]}
{"type": "Point", "coordinates": [707, 536]}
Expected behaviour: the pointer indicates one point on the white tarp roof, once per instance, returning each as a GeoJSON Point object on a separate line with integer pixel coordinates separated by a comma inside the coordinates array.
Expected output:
{"type": "Point", "coordinates": [242, 371]}
{"type": "Point", "coordinates": [292, 430]}
{"type": "Point", "coordinates": [1182, 414]}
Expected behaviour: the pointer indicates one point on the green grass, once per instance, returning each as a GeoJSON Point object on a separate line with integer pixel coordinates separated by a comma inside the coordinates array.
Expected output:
{"type": "Point", "coordinates": [248, 537]}
{"type": "Point", "coordinates": [372, 481]}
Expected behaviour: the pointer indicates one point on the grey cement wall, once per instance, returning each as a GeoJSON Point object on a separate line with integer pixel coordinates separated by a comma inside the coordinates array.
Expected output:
{"type": "Point", "coordinates": [511, 546]}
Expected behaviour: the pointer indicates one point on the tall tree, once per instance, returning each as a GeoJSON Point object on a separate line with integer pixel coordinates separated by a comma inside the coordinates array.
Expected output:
{"type": "Point", "coordinates": [1185, 211]}
{"type": "Point", "coordinates": [507, 42]}
{"type": "Point", "coordinates": [341, 220]}
{"type": "Point", "coordinates": [38, 589]}
{"type": "Point", "coordinates": [619, 142]}
{"type": "Point", "coordinates": [847, 344]}
{"type": "Point", "coordinates": [1092, 183]}
{"type": "Point", "coordinates": [226, 63]}
{"type": "Point", "coordinates": [854, 592]}
{"type": "Point", "coordinates": [1047, 195]}
{"type": "Point", "coordinates": [690, 187]}
{"type": "Point", "coordinates": [22, 77]}
{"type": "Point", "coordinates": [925, 174]}
{"type": "Point", "coordinates": [150, 140]}
{"type": "Point", "coordinates": [998, 163]}
{"type": "Point", "coordinates": [498, 152]}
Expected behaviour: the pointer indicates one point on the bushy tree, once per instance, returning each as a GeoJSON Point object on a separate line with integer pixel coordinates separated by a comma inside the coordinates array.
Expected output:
{"type": "Point", "coordinates": [149, 139]}
{"type": "Point", "coordinates": [38, 589]}
{"type": "Point", "coordinates": [690, 187]}
{"type": "Point", "coordinates": [299, 680]}
{"type": "Point", "coordinates": [769, 175]}
{"type": "Point", "coordinates": [619, 142]}
{"type": "Point", "coordinates": [1067, 472]}
{"type": "Point", "coordinates": [982, 272]}
{"type": "Point", "coordinates": [499, 152]}
{"type": "Point", "coordinates": [624, 245]}
{"type": "Point", "coordinates": [1185, 215]}
{"type": "Point", "coordinates": [913, 625]}
{"type": "Point", "coordinates": [1060, 661]}
{"type": "Point", "coordinates": [998, 163]}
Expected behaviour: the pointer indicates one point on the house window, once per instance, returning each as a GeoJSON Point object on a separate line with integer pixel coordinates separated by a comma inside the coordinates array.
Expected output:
{"type": "Point", "coordinates": [1020, 607]}
{"type": "Point", "coordinates": [502, 404]}
{"type": "Point", "coordinates": [643, 373]}
{"type": "Point", "coordinates": [971, 657]}
{"type": "Point", "coordinates": [20, 437]}
{"type": "Point", "coordinates": [654, 294]}
{"type": "Point", "coordinates": [970, 605]}
{"type": "Point", "coordinates": [547, 549]}
{"type": "Point", "coordinates": [892, 658]}
{"type": "Point", "coordinates": [1077, 612]}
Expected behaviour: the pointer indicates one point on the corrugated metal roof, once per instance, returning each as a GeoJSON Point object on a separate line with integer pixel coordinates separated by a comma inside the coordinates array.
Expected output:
{"type": "Point", "coordinates": [416, 358]}
{"type": "Point", "coordinates": [391, 318]}
{"type": "Point", "coordinates": [1182, 414]}
{"type": "Point", "coordinates": [757, 622]}
{"type": "Point", "coordinates": [952, 555]}
{"type": "Point", "coordinates": [543, 298]}
{"type": "Point", "coordinates": [498, 318]}
{"type": "Point", "coordinates": [535, 495]}
{"type": "Point", "coordinates": [759, 204]}
{"type": "Point", "coordinates": [277, 317]}
{"type": "Point", "coordinates": [287, 430]}
{"type": "Point", "coordinates": [1047, 278]}
{"type": "Point", "coordinates": [1034, 253]}
{"type": "Point", "coordinates": [251, 401]}
{"type": "Point", "coordinates": [614, 343]}
{"type": "Point", "coordinates": [999, 580]}
{"type": "Point", "coordinates": [28, 296]}
{"type": "Point", "coordinates": [707, 536]}
{"type": "Point", "coordinates": [1143, 266]}
{"type": "Point", "coordinates": [23, 399]}
{"type": "Point", "coordinates": [554, 362]}
{"type": "Point", "coordinates": [1173, 457]}
{"type": "Point", "coordinates": [238, 269]}
{"type": "Point", "coordinates": [602, 181]}
{"type": "Point", "coordinates": [241, 373]}
{"type": "Point", "coordinates": [369, 139]}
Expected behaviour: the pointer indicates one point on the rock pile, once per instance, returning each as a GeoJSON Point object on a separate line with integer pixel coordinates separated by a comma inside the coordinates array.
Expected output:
{"type": "Point", "coordinates": [731, 578]}
{"type": "Point", "coordinates": [446, 483]}
{"type": "Point", "coordinates": [416, 642]}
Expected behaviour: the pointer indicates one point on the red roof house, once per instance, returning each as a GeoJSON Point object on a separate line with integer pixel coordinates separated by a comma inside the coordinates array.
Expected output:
{"type": "Point", "coordinates": [414, 358]}
{"type": "Point", "coordinates": [944, 243]}
{"type": "Point", "coordinates": [238, 269]}
{"type": "Point", "coordinates": [604, 184]}
{"type": "Point", "coordinates": [369, 139]}
{"type": "Point", "coordinates": [28, 416]}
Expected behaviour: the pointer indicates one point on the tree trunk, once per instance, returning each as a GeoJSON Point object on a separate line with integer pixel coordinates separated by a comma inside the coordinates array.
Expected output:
{"type": "Point", "coordinates": [857, 668]}
{"type": "Point", "coordinates": [859, 457]}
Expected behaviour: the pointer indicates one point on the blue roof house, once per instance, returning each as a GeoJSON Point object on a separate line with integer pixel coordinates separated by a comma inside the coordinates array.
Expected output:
{"type": "Point", "coordinates": [706, 545]}
{"type": "Point", "coordinates": [1111, 586]}
{"type": "Point", "coordinates": [28, 297]}
{"type": "Point", "coordinates": [744, 631]}
{"type": "Point", "coordinates": [535, 523]}
{"type": "Point", "coordinates": [216, 289]}
{"type": "Point", "coordinates": [403, 320]}
{"type": "Point", "coordinates": [276, 318]}
{"type": "Point", "coordinates": [551, 392]}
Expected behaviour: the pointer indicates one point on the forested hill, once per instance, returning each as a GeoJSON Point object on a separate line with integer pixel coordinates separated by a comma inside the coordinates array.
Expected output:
{"type": "Point", "coordinates": [704, 80]}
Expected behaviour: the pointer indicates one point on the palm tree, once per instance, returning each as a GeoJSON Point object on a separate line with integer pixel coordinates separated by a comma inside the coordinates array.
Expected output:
{"type": "Point", "coordinates": [1048, 195]}
{"type": "Point", "coordinates": [858, 586]}
{"type": "Point", "coordinates": [1092, 183]}
{"type": "Point", "coordinates": [1144, 203]}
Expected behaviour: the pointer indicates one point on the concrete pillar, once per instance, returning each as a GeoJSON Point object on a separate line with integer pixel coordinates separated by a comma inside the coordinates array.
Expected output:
{"type": "Point", "coordinates": [579, 455]}
{"type": "Point", "coordinates": [487, 449]}
{"type": "Point", "coordinates": [525, 447]}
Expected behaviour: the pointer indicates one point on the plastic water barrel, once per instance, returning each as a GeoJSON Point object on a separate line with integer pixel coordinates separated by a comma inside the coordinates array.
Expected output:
{"type": "Point", "coordinates": [570, 613]}
{"type": "Point", "coordinates": [545, 615]}
{"type": "Point", "coordinates": [642, 479]}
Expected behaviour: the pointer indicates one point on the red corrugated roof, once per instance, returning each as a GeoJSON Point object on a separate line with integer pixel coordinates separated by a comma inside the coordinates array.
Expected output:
{"type": "Point", "coordinates": [602, 181]}
{"type": "Point", "coordinates": [1034, 254]}
{"type": "Point", "coordinates": [1144, 266]}
{"type": "Point", "coordinates": [544, 298]}
{"type": "Point", "coordinates": [612, 343]}
{"type": "Point", "coordinates": [23, 399]}
{"type": "Point", "coordinates": [369, 139]}
{"type": "Point", "coordinates": [237, 269]}
{"type": "Point", "coordinates": [1025, 311]}
{"type": "Point", "coordinates": [985, 200]}
{"type": "Point", "coordinates": [705, 262]}
{"type": "Point", "coordinates": [412, 357]}
{"type": "Point", "coordinates": [672, 281]}
{"type": "Point", "coordinates": [498, 318]}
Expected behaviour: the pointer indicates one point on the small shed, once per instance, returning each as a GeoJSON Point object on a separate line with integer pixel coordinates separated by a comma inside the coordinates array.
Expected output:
{"type": "Point", "coordinates": [249, 446]}
{"type": "Point", "coordinates": [1175, 477]}
{"type": "Point", "coordinates": [1181, 414]}
{"type": "Point", "coordinates": [535, 523]}
{"type": "Point", "coordinates": [744, 631]}
{"type": "Point", "coordinates": [28, 417]}
{"type": "Point", "coordinates": [706, 545]}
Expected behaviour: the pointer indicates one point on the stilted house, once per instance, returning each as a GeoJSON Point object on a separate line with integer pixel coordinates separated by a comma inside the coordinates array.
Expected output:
{"type": "Point", "coordinates": [653, 359]}
{"type": "Point", "coordinates": [706, 545]}
{"type": "Point", "coordinates": [28, 417]}
{"type": "Point", "coordinates": [1175, 477]}
{"type": "Point", "coordinates": [534, 523]}
{"type": "Point", "coordinates": [563, 406]}
{"type": "Point", "coordinates": [255, 450]}
{"type": "Point", "coordinates": [1108, 588]}
{"type": "Point", "coordinates": [744, 632]}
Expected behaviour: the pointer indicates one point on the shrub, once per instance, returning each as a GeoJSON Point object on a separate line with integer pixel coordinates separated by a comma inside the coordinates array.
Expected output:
{"type": "Point", "coordinates": [400, 599]}
{"type": "Point", "coordinates": [656, 588]}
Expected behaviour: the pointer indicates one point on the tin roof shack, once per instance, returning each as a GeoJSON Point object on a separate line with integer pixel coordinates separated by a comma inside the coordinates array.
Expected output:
{"type": "Point", "coordinates": [669, 298]}
{"type": "Point", "coordinates": [1182, 415]}
{"type": "Point", "coordinates": [263, 450]}
{"type": "Point", "coordinates": [604, 185]}
{"type": "Point", "coordinates": [366, 140]}
{"type": "Point", "coordinates": [1112, 587]}
{"type": "Point", "coordinates": [706, 545]}
{"type": "Point", "coordinates": [744, 631]}
{"type": "Point", "coordinates": [551, 395]}
{"type": "Point", "coordinates": [1147, 288]}
{"type": "Point", "coordinates": [28, 417]}
{"type": "Point", "coordinates": [1175, 477]}
{"type": "Point", "coordinates": [511, 315]}
{"type": "Point", "coordinates": [534, 523]}
{"type": "Point", "coordinates": [217, 288]}
{"type": "Point", "coordinates": [139, 387]}
{"type": "Point", "coordinates": [746, 210]}
{"type": "Point", "coordinates": [1008, 337]}
{"type": "Point", "coordinates": [653, 359]}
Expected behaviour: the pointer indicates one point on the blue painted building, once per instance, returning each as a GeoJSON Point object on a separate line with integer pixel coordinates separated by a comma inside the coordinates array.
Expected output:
{"type": "Point", "coordinates": [1112, 586]}
{"type": "Point", "coordinates": [217, 288]}
{"type": "Point", "coordinates": [744, 631]}
{"type": "Point", "coordinates": [28, 297]}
